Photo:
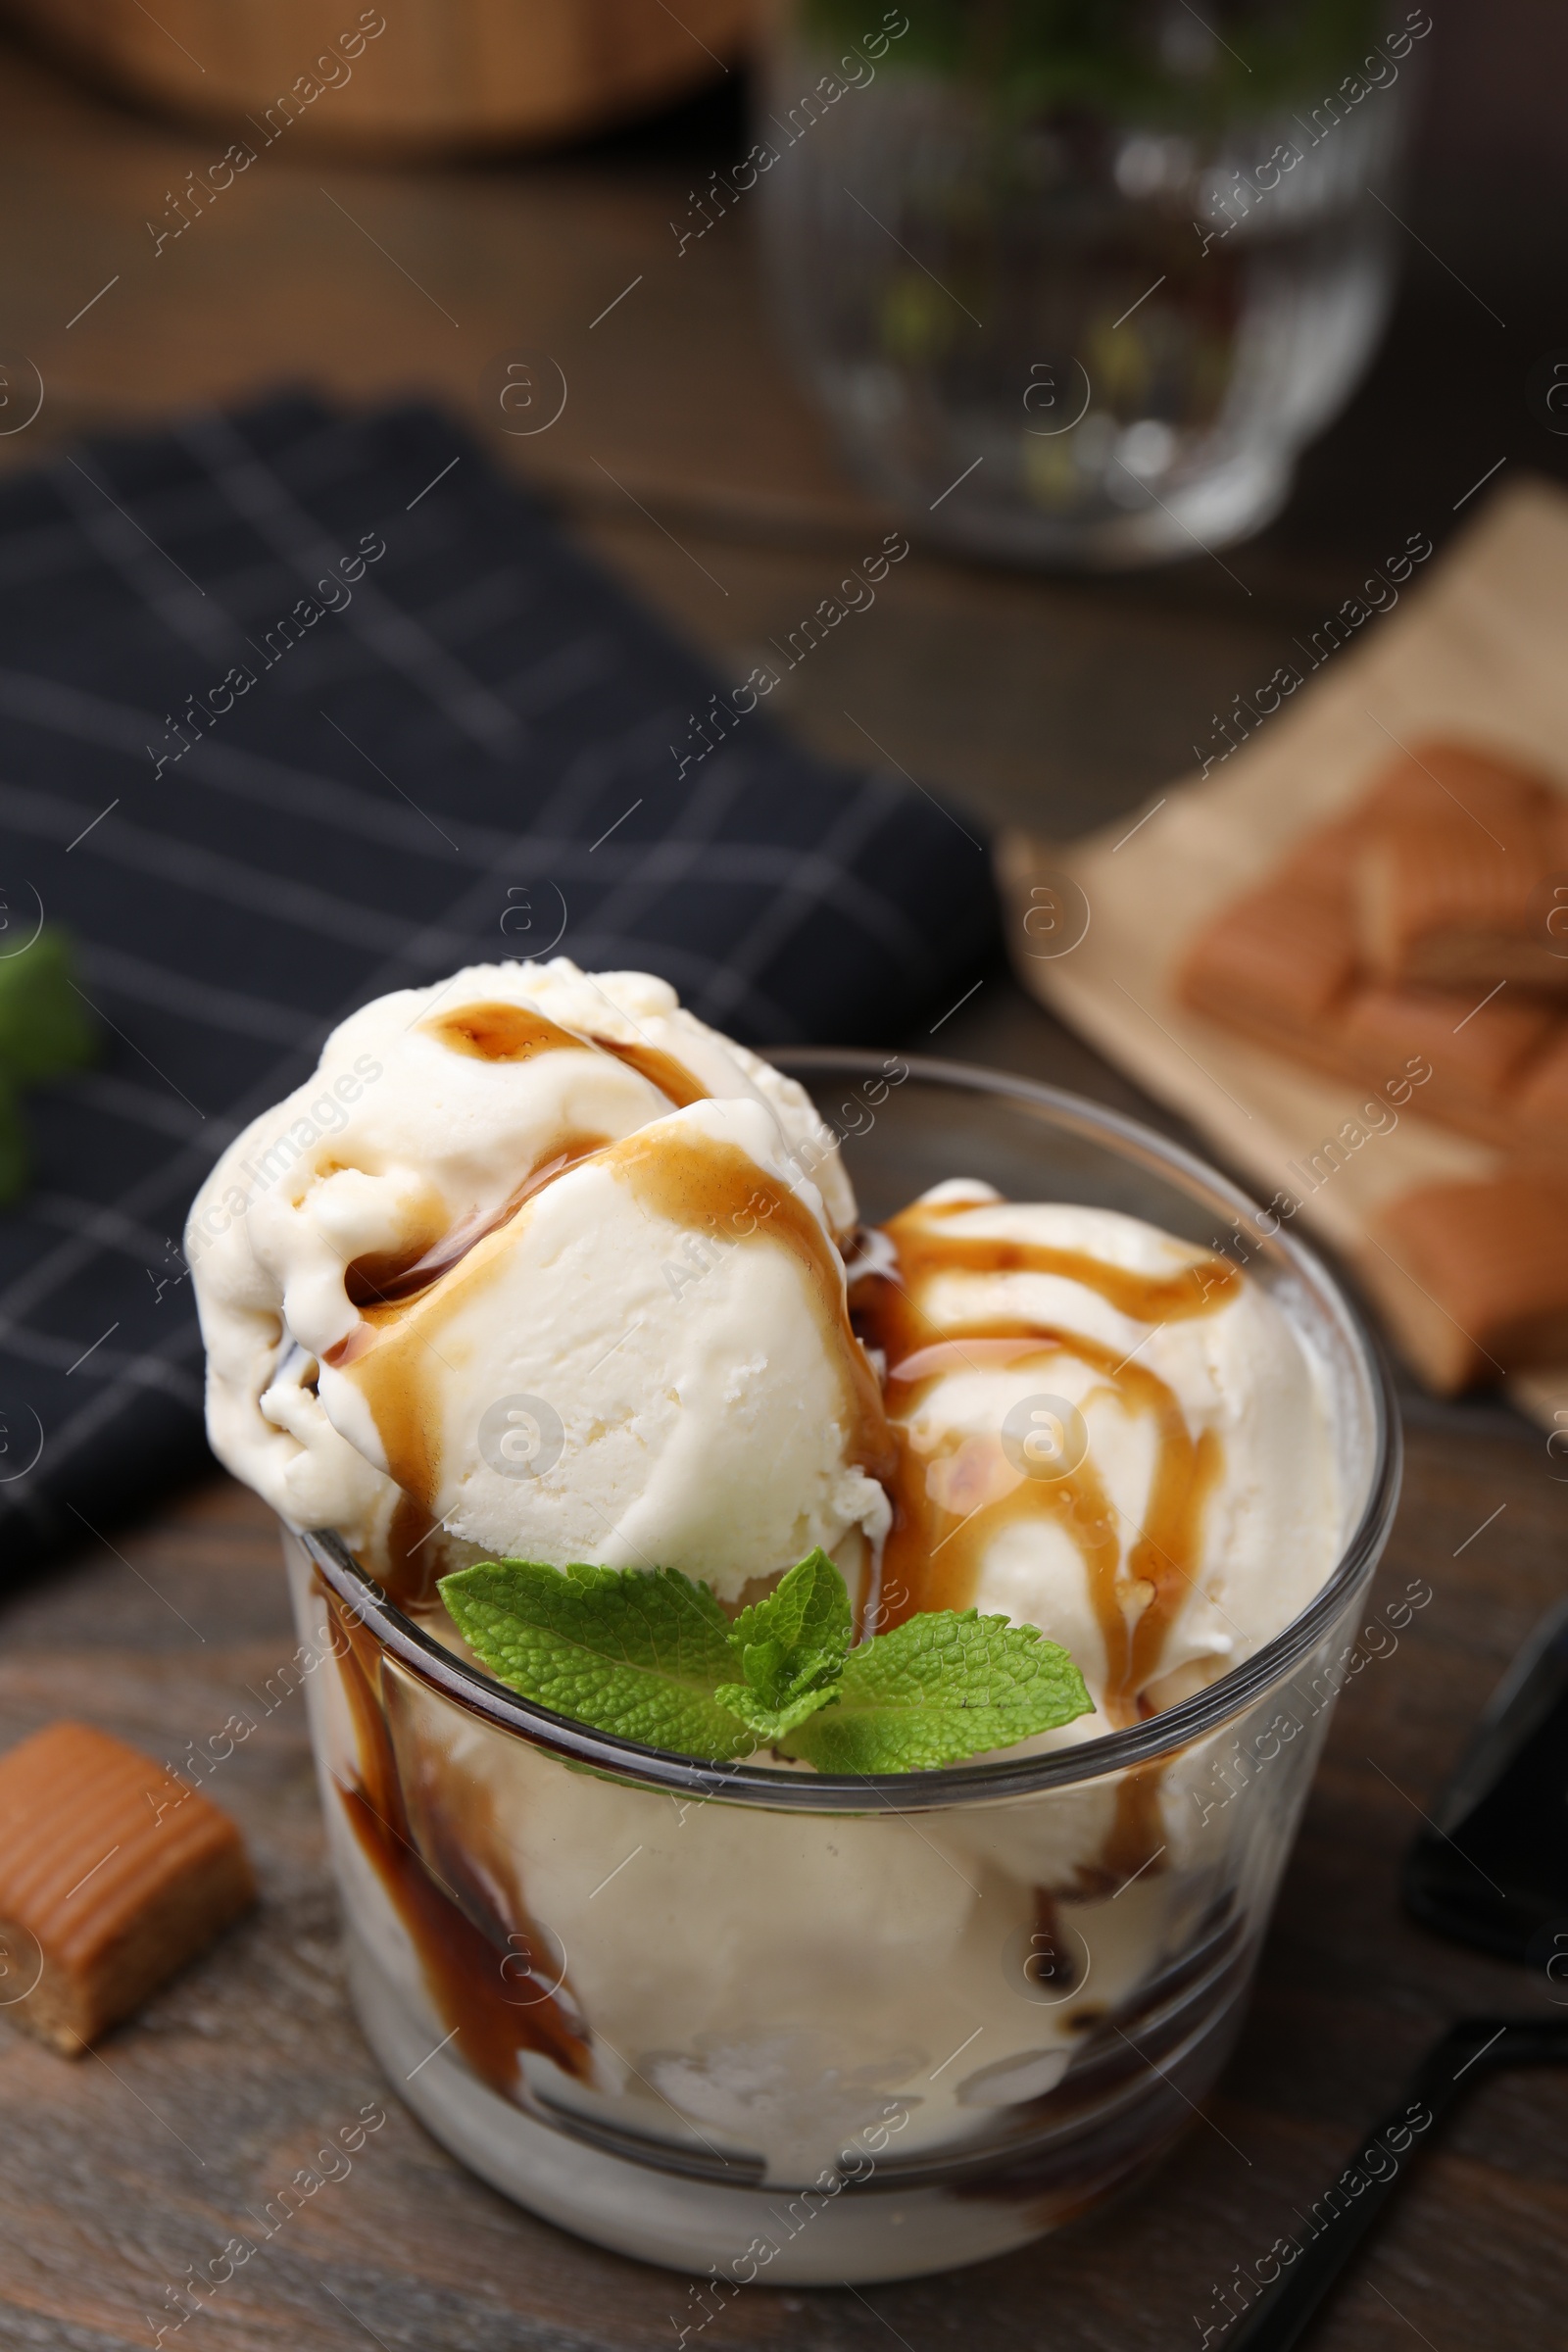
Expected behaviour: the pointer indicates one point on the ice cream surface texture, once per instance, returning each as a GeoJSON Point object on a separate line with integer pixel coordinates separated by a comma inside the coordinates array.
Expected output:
{"type": "Point", "coordinates": [534, 1257]}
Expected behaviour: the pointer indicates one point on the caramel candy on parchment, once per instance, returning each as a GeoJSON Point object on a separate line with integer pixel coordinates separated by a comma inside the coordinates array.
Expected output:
{"type": "Point", "coordinates": [1479, 1054]}
{"type": "Point", "coordinates": [1278, 968]}
{"type": "Point", "coordinates": [1436, 874]}
{"type": "Point", "coordinates": [112, 1876]}
{"type": "Point", "coordinates": [1474, 1275]}
{"type": "Point", "coordinates": [1276, 965]}
{"type": "Point", "coordinates": [1454, 889]}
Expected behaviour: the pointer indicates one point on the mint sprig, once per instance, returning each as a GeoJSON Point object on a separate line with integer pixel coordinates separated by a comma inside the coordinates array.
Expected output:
{"type": "Point", "coordinates": [649, 1656]}
{"type": "Point", "coordinates": [791, 1648]}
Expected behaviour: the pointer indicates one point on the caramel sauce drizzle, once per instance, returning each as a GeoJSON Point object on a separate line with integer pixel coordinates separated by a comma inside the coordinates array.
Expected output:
{"type": "Point", "coordinates": [926, 1246]}
{"type": "Point", "coordinates": [382, 1278]}
{"type": "Point", "coordinates": [1138, 1830]}
{"type": "Point", "coordinates": [470, 1926]}
{"type": "Point", "coordinates": [502, 1031]}
{"type": "Point", "coordinates": [717, 1190]}
{"type": "Point", "coordinates": [414, 1565]}
{"type": "Point", "coordinates": [496, 1031]}
{"type": "Point", "coordinates": [949, 1507]}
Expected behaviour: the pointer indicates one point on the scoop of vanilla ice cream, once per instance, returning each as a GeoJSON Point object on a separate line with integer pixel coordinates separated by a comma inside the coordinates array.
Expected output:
{"type": "Point", "coordinates": [618, 1375]}
{"type": "Point", "coordinates": [1266, 1523]}
{"type": "Point", "coordinates": [698, 1381]}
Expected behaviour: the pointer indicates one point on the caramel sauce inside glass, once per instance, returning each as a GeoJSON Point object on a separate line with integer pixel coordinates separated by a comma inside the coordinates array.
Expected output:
{"type": "Point", "coordinates": [477, 1946]}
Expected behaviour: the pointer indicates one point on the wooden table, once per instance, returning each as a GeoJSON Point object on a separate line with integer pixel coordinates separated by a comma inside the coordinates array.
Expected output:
{"type": "Point", "coordinates": [689, 465]}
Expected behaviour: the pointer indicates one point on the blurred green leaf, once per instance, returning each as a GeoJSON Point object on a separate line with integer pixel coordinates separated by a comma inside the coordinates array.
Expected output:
{"type": "Point", "coordinates": [45, 1025]}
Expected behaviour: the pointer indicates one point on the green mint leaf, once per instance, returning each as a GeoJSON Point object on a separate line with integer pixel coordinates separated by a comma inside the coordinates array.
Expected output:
{"type": "Point", "coordinates": [634, 1652]}
{"type": "Point", "coordinates": [45, 1025]}
{"type": "Point", "coordinates": [641, 1653]}
{"type": "Point", "coordinates": [790, 1649]}
{"type": "Point", "coordinates": [939, 1688]}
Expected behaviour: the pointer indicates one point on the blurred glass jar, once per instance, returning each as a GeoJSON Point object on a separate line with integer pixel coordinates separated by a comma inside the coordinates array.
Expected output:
{"type": "Point", "coordinates": [1076, 280]}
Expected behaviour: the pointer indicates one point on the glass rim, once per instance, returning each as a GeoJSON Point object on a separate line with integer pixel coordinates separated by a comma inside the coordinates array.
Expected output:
{"type": "Point", "coordinates": [1160, 1736]}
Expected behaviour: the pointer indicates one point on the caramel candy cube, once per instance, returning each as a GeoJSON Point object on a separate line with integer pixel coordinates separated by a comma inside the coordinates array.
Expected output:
{"type": "Point", "coordinates": [1273, 963]}
{"type": "Point", "coordinates": [1278, 961]}
{"type": "Point", "coordinates": [1436, 904]}
{"type": "Point", "coordinates": [112, 1876]}
{"type": "Point", "coordinates": [1437, 782]}
{"type": "Point", "coordinates": [1474, 1275]}
{"type": "Point", "coordinates": [1443, 905]}
{"type": "Point", "coordinates": [1448, 889]}
{"type": "Point", "coordinates": [1476, 1050]}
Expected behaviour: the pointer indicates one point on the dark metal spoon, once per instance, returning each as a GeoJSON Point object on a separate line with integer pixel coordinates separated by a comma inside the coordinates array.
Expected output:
{"type": "Point", "coordinates": [1490, 1869]}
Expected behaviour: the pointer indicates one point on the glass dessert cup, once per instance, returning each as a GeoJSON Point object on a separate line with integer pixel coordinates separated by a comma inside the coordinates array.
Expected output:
{"type": "Point", "coordinates": [757, 2022]}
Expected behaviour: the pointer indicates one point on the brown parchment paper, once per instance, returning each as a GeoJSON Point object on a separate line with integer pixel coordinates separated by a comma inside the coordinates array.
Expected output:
{"type": "Point", "coordinates": [1476, 647]}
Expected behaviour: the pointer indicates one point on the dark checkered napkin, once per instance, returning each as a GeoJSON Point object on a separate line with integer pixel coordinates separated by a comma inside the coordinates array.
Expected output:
{"type": "Point", "coordinates": [298, 708]}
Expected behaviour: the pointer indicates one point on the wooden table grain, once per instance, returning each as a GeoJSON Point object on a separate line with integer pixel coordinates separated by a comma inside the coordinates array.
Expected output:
{"type": "Point", "coordinates": [686, 460]}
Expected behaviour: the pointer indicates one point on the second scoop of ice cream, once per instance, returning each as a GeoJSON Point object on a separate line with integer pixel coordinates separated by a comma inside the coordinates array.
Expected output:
{"type": "Point", "coordinates": [1103, 1431]}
